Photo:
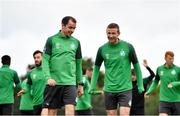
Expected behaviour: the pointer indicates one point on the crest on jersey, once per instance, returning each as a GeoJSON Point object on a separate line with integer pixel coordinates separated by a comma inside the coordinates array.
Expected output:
{"type": "Point", "coordinates": [107, 56]}
{"type": "Point", "coordinates": [34, 76]}
{"type": "Point", "coordinates": [122, 53]}
{"type": "Point", "coordinates": [173, 72]}
{"type": "Point", "coordinates": [161, 73]}
{"type": "Point", "coordinates": [72, 46]}
{"type": "Point", "coordinates": [58, 45]}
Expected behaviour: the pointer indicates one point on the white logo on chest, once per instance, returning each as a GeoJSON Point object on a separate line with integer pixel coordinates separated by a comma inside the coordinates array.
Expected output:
{"type": "Point", "coordinates": [58, 45]}
{"type": "Point", "coordinates": [107, 56]}
{"type": "Point", "coordinates": [161, 73]}
{"type": "Point", "coordinates": [34, 76]}
{"type": "Point", "coordinates": [173, 72]}
{"type": "Point", "coordinates": [72, 46]}
{"type": "Point", "coordinates": [122, 53]}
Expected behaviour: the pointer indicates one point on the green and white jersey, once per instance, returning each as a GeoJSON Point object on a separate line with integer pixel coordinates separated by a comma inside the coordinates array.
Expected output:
{"type": "Point", "coordinates": [26, 102]}
{"type": "Point", "coordinates": [84, 102]}
{"type": "Point", "coordinates": [37, 81]}
{"type": "Point", "coordinates": [62, 60]}
{"type": "Point", "coordinates": [7, 79]}
{"type": "Point", "coordinates": [117, 61]}
{"type": "Point", "coordinates": [168, 75]}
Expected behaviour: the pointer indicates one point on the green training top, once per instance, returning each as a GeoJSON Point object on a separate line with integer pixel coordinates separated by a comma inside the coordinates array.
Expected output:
{"type": "Point", "coordinates": [26, 102]}
{"type": "Point", "coordinates": [7, 79]}
{"type": "Point", "coordinates": [84, 102]}
{"type": "Point", "coordinates": [62, 60]}
{"type": "Point", "coordinates": [117, 61]}
{"type": "Point", "coordinates": [38, 82]}
{"type": "Point", "coordinates": [167, 75]}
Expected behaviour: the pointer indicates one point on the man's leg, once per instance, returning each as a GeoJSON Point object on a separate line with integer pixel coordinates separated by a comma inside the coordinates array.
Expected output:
{"type": "Point", "coordinates": [163, 114]}
{"type": "Point", "coordinates": [124, 100]}
{"type": "Point", "coordinates": [124, 111]}
{"type": "Point", "coordinates": [69, 110]}
{"type": "Point", "coordinates": [69, 97]}
{"type": "Point", "coordinates": [111, 112]}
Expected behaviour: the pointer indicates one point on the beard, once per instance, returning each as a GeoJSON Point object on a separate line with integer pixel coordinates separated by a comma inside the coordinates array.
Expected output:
{"type": "Point", "coordinates": [38, 64]}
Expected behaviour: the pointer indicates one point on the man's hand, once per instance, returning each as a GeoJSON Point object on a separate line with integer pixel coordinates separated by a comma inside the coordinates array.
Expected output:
{"type": "Point", "coordinates": [80, 90]}
{"type": "Point", "coordinates": [170, 85]}
{"type": "Point", "coordinates": [21, 92]}
{"type": "Point", "coordinates": [51, 82]}
{"type": "Point", "coordinates": [145, 63]}
{"type": "Point", "coordinates": [146, 95]}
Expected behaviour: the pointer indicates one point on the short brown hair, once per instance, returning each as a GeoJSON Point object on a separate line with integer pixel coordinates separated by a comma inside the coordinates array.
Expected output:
{"type": "Point", "coordinates": [113, 25]}
{"type": "Point", "coordinates": [170, 53]}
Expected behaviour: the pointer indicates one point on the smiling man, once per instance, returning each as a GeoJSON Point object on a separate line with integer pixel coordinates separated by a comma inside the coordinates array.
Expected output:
{"type": "Point", "coordinates": [117, 56]}
{"type": "Point", "coordinates": [62, 66]}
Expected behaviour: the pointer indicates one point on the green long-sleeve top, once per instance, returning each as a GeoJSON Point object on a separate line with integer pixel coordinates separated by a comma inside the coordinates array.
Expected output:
{"type": "Point", "coordinates": [37, 82]}
{"type": "Point", "coordinates": [7, 79]}
{"type": "Point", "coordinates": [84, 101]}
{"type": "Point", "coordinates": [62, 60]}
{"type": "Point", "coordinates": [167, 75]}
{"type": "Point", "coordinates": [26, 102]}
{"type": "Point", "coordinates": [117, 61]}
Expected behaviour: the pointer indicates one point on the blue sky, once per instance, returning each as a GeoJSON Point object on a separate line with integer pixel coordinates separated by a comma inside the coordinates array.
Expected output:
{"type": "Point", "coordinates": [152, 26]}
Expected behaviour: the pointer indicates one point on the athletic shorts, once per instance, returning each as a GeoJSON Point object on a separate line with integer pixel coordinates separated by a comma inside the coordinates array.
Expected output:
{"type": "Point", "coordinates": [26, 112]}
{"type": "Point", "coordinates": [37, 109]}
{"type": "Point", "coordinates": [84, 112]}
{"type": "Point", "coordinates": [170, 108]}
{"type": "Point", "coordinates": [6, 109]}
{"type": "Point", "coordinates": [59, 95]}
{"type": "Point", "coordinates": [112, 100]}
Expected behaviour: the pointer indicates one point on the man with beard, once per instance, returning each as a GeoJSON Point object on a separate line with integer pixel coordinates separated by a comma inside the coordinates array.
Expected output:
{"type": "Point", "coordinates": [37, 82]}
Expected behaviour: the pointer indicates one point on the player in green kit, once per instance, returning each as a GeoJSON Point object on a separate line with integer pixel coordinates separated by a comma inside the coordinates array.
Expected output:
{"type": "Point", "coordinates": [8, 78]}
{"type": "Point", "coordinates": [83, 106]}
{"type": "Point", "coordinates": [117, 56]}
{"type": "Point", "coordinates": [26, 101]}
{"type": "Point", "coordinates": [62, 65]}
{"type": "Point", "coordinates": [169, 75]}
{"type": "Point", "coordinates": [37, 82]}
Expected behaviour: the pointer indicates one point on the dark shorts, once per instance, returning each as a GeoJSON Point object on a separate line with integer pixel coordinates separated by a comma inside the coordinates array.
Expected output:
{"type": "Point", "coordinates": [6, 109]}
{"type": "Point", "coordinates": [37, 109]}
{"type": "Point", "coordinates": [59, 95]}
{"type": "Point", "coordinates": [170, 108]}
{"type": "Point", "coordinates": [137, 111]}
{"type": "Point", "coordinates": [26, 112]}
{"type": "Point", "coordinates": [84, 112]}
{"type": "Point", "coordinates": [112, 100]}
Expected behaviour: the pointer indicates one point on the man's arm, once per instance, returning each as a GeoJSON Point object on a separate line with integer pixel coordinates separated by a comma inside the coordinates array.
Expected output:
{"type": "Point", "coordinates": [16, 80]}
{"type": "Point", "coordinates": [79, 65]}
{"type": "Point", "coordinates": [151, 76]}
{"type": "Point", "coordinates": [95, 75]}
{"type": "Point", "coordinates": [154, 84]}
{"type": "Point", "coordinates": [45, 62]}
{"type": "Point", "coordinates": [134, 60]}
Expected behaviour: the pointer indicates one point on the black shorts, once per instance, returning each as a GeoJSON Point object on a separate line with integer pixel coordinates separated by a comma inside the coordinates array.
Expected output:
{"type": "Point", "coordinates": [84, 112]}
{"type": "Point", "coordinates": [59, 95]}
{"type": "Point", "coordinates": [112, 100]}
{"type": "Point", "coordinates": [6, 109]}
{"type": "Point", "coordinates": [170, 108]}
{"type": "Point", "coordinates": [26, 112]}
{"type": "Point", "coordinates": [37, 109]}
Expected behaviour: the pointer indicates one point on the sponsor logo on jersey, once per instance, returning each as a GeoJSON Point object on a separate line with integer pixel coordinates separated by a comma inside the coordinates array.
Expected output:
{"type": "Point", "coordinates": [161, 73]}
{"type": "Point", "coordinates": [72, 46]}
{"type": "Point", "coordinates": [58, 45]}
{"type": "Point", "coordinates": [173, 72]}
{"type": "Point", "coordinates": [122, 53]}
{"type": "Point", "coordinates": [34, 76]}
{"type": "Point", "coordinates": [107, 56]}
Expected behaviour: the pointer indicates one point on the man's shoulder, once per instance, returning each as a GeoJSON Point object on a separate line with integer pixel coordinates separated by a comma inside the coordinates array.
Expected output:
{"type": "Point", "coordinates": [53, 36]}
